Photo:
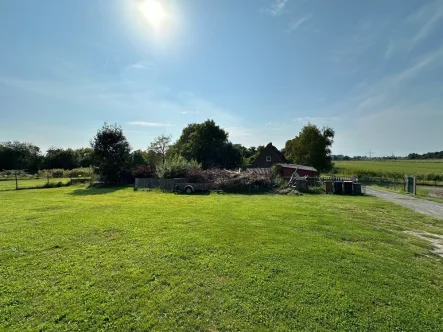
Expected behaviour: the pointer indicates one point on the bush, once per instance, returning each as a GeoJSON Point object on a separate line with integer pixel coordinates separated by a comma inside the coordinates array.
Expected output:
{"type": "Point", "coordinates": [84, 172]}
{"type": "Point", "coordinates": [144, 171]}
{"type": "Point", "coordinates": [57, 173]}
{"type": "Point", "coordinates": [177, 167]}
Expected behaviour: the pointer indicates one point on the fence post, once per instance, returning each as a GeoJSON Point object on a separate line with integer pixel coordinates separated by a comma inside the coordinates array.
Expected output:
{"type": "Point", "coordinates": [47, 179]}
{"type": "Point", "coordinates": [16, 181]}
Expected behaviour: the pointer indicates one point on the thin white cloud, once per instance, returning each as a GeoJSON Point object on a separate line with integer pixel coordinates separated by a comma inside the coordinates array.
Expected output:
{"type": "Point", "coordinates": [150, 124]}
{"type": "Point", "coordinates": [390, 50]}
{"type": "Point", "coordinates": [277, 7]}
{"type": "Point", "coordinates": [143, 65]}
{"type": "Point", "coordinates": [299, 21]}
{"type": "Point", "coordinates": [307, 119]}
{"type": "Point", "coordinates": [426, 19]}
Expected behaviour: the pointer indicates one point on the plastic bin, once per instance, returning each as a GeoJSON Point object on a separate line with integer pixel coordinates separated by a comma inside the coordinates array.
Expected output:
{"type": "Point", "coordinates": [347, 187]}
{"type": "Point", "coordinates": [338, 187]}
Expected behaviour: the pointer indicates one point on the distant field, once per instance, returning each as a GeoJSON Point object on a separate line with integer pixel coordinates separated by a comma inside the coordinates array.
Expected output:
{"type": "Point", "coordinates": [74, 259]}
{"type": "Point", "coordinates": [412, 167]}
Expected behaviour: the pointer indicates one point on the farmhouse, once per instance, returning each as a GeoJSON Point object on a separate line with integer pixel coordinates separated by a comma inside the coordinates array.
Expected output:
{"type": "Point", "coordinates": [269, 156]}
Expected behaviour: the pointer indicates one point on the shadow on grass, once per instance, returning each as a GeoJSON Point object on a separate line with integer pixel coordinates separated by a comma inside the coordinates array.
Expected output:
{"type": "Point", "coordinates": [96, 190]}
{"type": "Point", "coordinates": [197, 193]}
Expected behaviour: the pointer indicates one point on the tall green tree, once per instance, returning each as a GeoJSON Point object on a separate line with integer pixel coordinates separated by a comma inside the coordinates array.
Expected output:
{"type": "Point", "coordinates": [84, 157]}
{"type": "Point", "coordinates": [312, 147]}
{"type": "Point", "coordinates": [208, 144]}
{"type": "Point", "coordinates": [111, 152]}
{"type": "Point", "coordinates": [61, 158]}
{"type": "Point", "coordinates": [160, 146]}
{"type": "Point", "coordinates": [20, 156]}
{"type": "Point", "coordinates": [138, 157]}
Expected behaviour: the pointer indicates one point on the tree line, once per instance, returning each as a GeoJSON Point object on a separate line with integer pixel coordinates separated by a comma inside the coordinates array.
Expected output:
{"type": "Point", "coordinates": [206, 144]}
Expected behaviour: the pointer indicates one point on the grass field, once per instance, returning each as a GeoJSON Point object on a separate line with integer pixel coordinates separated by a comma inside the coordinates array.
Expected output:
{"type": "Point", "coordinates": [397, 166]}
{"type": "Point", "coordinates": [30, 183]}
{"type": "Point", "coordinates": [117, 259]}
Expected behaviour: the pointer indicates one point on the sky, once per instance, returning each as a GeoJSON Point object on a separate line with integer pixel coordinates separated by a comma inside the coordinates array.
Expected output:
{"type": "Point", "coordinates": [261, 69]}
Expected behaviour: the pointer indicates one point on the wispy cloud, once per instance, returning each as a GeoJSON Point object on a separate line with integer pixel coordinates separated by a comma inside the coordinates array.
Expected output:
{"type": "Point", "coordinates": [297, 22]}
{"type": "Point", "coordinates": [426, 19]}
{"type": "Point", "coordinates": [150, 124]}
{"type": "Point", "coordinates": [277, 7]}
{"type": "Point", "coordinates": [143, 65]}
{"type": "Point", "coordinates": [390, 50]}
{"type": "Point", "coordinates": [307, 119]}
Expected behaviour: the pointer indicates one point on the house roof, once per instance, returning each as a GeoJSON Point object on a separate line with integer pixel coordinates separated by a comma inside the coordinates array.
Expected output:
{"type": "Point", "coordinates": [294, 166]}
{"type": "Point", "coordinates": [277, 151]}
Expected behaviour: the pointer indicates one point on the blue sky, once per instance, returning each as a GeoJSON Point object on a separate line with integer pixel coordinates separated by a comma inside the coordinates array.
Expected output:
{"type": "Point", "coordinates": [372, 70]}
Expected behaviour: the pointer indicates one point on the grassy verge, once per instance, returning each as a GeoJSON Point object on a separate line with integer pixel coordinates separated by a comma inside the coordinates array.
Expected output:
{"type": "Point", "coordinates": [119, 259]}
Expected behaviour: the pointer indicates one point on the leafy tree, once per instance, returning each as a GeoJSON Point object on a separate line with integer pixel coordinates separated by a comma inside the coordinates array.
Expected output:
{"type": "Point", "coordinates": [208, 144]}
{"type": "Point", "coordinates": [160, 146]}
{"type": "Point", "coordinates": [60, 158]}
{"type": "Point", "coordinates": [20, 156]}
{"type": "Point", "coordinates": [252, 154]}
{"type": "Point", "coordinates": [111, 152]}
{"type": "Point", "coordinates": [312, 147]}
{"type": "Point", "coordinates": [138, 157]}
{"type": "Point", "coordinates": [84, 157]}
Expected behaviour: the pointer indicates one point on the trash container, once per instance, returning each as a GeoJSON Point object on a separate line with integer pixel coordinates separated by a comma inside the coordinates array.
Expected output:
{"type": "Point", "coordinates": [357, 188]}
{"type": "Point", "coordinates": [347, 187]}
{"type": "Point", "coordinates": [338, 187]}
{"type": "Point", "coordinates": [329, 188]}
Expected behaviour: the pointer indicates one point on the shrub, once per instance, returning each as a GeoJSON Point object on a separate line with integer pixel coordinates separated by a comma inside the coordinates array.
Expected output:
{"type": "Point", "coordinates": [57, 173]}
{"type": "Point", "coordinates": [177, 167]}
{"type": "Point", "coordinates": [144, 171]}
{"type": "Point", "coordinates": [85, 172]}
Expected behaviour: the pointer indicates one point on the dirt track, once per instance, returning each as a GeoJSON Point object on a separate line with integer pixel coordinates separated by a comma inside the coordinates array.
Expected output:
{"type": "Point", "coordinates": [419, 205]}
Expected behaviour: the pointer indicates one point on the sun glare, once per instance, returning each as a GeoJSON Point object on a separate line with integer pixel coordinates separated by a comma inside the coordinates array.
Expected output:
{"type": "Point", "coordinates": [154, 12]}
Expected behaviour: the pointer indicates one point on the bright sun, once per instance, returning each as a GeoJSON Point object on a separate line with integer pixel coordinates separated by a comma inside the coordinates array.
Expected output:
{"type": "Point", "coordinates": [154, 12]}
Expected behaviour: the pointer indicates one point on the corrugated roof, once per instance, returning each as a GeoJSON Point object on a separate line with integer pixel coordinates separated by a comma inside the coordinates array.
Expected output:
{"type": "Point", "coordinates": [264, 171]}
{"type": "Point", "coordinates": [294, 166]}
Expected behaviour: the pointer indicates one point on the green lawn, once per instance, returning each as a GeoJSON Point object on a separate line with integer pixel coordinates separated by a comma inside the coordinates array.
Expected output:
{"type": "Point", "coordinates": [398, 166]}
{"type": "Point", "coordinates": [30, 183]}
{"type": "Point", "coordinates": [117, 259]}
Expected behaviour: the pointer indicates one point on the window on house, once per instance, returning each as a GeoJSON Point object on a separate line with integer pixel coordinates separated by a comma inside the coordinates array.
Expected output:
{"type": "Point", "coordinates": [268, 158]}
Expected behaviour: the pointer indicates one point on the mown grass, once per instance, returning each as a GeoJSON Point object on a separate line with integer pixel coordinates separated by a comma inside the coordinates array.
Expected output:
{"type": "Point", "coordinates": [31, 183]}
{"type": "Point", "coordinates": [118, 259]}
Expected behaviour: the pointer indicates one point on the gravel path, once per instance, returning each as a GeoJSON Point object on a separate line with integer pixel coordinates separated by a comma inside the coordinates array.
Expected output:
{"type": "Point", "coordinates": [419, 205]}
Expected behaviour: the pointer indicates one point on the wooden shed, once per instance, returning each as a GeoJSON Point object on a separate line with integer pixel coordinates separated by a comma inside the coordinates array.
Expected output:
{"type": "Point", "coordinates": [286, 170]}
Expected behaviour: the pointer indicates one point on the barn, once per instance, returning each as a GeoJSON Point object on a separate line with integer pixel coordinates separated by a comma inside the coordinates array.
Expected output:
{"type": "Point", "coordinates": [286, 170]}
